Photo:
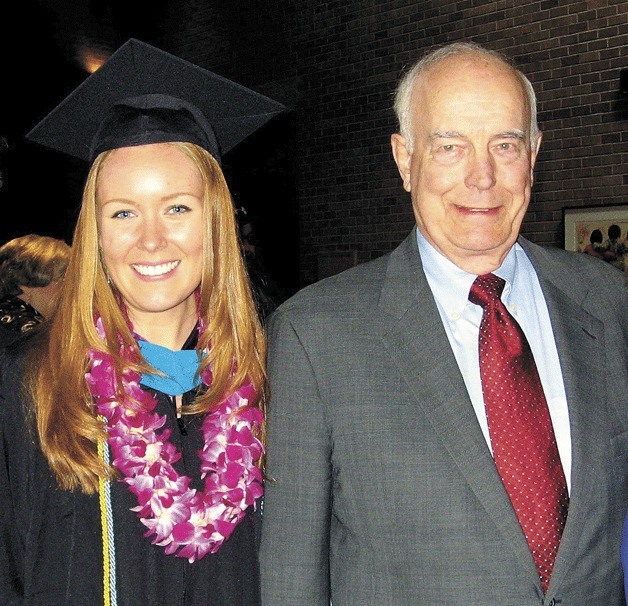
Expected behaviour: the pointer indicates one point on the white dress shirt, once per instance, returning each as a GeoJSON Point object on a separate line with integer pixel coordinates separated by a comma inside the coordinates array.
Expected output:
{"type": "Point", "coordinates": [524, 299]}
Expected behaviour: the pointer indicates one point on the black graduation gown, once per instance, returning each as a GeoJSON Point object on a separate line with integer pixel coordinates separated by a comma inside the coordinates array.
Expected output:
{"type": "Point", "coordinates": [50, 540]}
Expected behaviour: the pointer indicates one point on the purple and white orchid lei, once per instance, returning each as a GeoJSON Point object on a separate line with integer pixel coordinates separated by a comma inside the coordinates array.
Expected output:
{"type": "Point", "coordinates": [186, 522]}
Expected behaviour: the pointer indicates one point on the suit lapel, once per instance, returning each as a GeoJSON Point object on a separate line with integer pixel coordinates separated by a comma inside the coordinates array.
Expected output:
{"type": "Point", "coordinates": [416, 340]}
{"type": "Point", "coordinates": [579, 340]}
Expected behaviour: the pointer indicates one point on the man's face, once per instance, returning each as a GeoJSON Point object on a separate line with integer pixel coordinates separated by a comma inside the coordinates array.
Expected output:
{"type": "Point", "coordinates": [470, 169]}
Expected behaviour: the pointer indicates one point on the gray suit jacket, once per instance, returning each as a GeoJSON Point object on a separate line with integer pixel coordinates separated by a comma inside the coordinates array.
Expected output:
{"type": "Point", "coordinates": [383, 489]}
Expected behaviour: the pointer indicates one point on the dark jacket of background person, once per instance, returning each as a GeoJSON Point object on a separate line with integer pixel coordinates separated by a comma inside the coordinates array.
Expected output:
{"type": "Point", "coordinates": [624, 553]}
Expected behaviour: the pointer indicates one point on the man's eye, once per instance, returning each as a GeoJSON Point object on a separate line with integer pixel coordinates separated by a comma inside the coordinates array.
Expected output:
{"type": "Point", "coordinates": [511, 147]}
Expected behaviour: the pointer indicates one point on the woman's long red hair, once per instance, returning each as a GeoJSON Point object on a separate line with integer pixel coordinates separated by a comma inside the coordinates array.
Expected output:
{"type": "Point", "coordinates": [66, 425]}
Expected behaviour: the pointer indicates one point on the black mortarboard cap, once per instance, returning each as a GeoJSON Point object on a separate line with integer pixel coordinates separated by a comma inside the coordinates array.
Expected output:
{"type": "Point", "coordinates": [145, 95]}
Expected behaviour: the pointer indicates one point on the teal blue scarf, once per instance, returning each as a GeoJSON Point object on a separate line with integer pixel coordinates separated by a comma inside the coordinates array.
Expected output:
{"type": "Point", "coordinates": [180, 368]}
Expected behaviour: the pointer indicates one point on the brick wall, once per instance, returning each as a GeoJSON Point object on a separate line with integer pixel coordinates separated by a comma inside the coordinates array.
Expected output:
{"type": "Point", "coordinates": [335, 65]}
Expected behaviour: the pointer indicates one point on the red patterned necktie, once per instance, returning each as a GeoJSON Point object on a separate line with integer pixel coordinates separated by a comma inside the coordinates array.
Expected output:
{"type": "Point", "coordinates": [520, 427]}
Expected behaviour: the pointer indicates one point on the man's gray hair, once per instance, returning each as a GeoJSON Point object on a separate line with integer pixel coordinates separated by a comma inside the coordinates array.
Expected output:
{"type": "Point", "coordinates": [405, 89]}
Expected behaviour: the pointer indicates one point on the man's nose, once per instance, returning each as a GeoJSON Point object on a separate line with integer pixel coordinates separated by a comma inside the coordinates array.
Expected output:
{"type": "Point", "coordinates": [481, 172]}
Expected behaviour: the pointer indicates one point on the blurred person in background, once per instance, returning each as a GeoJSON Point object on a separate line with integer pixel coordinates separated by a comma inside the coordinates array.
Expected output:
{"type": "Point", "coordinates": [31, 271]}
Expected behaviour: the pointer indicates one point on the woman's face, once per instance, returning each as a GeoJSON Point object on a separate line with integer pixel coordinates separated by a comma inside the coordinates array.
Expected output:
{"type": "Point", "coordinates": [151, 229]}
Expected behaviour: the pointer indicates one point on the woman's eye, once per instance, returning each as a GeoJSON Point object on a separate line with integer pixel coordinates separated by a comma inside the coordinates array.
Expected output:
{"type": "Point", "coordinates": [121, 214]}
{"type": "Point", "coordinates": [179, 209]}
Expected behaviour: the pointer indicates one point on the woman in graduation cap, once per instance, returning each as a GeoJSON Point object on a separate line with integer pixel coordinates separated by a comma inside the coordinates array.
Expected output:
{"type": "Point", "coordinates": [132, 431]}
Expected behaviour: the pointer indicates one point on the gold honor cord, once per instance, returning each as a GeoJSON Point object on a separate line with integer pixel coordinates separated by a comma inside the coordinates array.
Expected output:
{"type": "Point", "coordinates": [106, 524]}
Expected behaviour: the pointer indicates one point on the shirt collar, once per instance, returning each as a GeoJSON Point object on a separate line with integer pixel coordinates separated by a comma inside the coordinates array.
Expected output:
{"type": "Point", "coordinates": [449, 283]}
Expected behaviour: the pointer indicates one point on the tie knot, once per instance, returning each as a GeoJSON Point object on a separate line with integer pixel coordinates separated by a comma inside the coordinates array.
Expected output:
{"type": "Point", "coordinates": [486, 288]}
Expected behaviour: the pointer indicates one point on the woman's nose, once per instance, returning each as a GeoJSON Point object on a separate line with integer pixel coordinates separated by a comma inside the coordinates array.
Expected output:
{"type": "Point", "coordinates": [153, 234]}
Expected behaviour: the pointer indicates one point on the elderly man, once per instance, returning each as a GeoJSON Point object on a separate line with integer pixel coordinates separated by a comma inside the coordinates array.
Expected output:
{"type": "Point", "coordinates": [448, 424]}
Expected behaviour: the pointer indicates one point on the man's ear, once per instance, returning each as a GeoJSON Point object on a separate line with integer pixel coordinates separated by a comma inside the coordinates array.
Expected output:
{"type": "Point", "coordinates": [403, 158]}
{"type": "Point", "coordinates": [536, 146]}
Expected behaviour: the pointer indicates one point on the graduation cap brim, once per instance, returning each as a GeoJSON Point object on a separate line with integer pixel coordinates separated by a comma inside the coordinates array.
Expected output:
{"type": "Point", "coordinates": [138, 69]}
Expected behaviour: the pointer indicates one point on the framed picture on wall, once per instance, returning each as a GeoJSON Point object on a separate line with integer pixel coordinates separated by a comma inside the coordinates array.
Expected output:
{"type": "Point", "coordinates": [601, 231]}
